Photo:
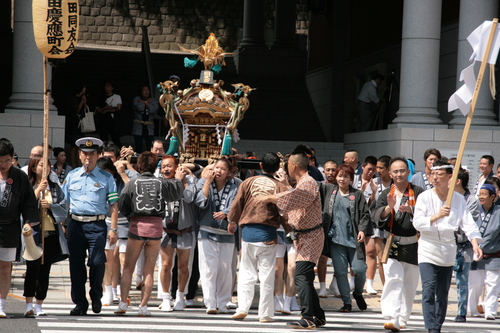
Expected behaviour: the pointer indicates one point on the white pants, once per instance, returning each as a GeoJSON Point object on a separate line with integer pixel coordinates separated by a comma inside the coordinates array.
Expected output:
{"type": "Point", "coordinates": [401, 280]}
{"type": "Point", "coordinates": [216, 275]}
{"type": "Point", "coordinates": [257, 264]}
{"type": "Point", "coordinates": [490, 280]}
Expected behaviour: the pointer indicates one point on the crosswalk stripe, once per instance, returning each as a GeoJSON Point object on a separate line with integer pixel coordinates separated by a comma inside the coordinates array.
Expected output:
{"type": "Point", "coordinates": [195, 320]}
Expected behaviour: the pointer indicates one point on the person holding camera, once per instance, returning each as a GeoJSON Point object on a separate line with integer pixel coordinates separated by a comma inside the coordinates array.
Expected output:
{"type": "Point", "coordinates": [145, 107]}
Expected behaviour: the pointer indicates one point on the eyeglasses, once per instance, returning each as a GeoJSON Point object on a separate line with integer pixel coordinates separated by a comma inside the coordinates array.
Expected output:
{"type": "Point", "coordinates": [401, 171]}
{"type": "Point", "coordinates": [438, 174]}
{"type": "Point", "coordinates": [9, 161]}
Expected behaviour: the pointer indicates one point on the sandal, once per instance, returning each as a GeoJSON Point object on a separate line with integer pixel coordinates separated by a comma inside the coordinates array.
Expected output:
{"type": "Point", "coordinates": [319, 322]}
{"type": "Point", "coordinates": [302, 324]}
{"type": "Point", "coordinates": [346, 308]}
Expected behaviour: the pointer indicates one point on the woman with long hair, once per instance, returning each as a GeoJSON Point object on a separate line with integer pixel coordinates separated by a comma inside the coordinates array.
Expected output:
{"type": "Point", "coordinates": [53, 212]}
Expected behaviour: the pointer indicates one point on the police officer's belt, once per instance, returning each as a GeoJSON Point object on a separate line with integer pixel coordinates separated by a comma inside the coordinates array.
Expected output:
{"type": "Point", "coordinates": [87, 218]}
{"type": "Point", "coordinates": [305, 231]}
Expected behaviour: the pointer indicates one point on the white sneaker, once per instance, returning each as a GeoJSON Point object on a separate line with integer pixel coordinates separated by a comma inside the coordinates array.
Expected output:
{"type": "Point", "coordinates": [188, 303]}
{"type": "Point", "coordinates": [29, 310]}
{"type": "Point", "coordinates": [334, 289]}
{"type": "Point", "coordinates": [2, 314]}
{"type": "Point", "coordinates": [293, 304]}
{"type": "Point", "coordinates": [38, 310]}
{"type": "Point", "coordinates": [286, 305]}
{"type": "Point", "coordinates": [278, 303]}
{"type": "Point", "coordinates": [392, 326]}
{"type": "Point", "coordinates": [231, 305]}
{"type": "Point", "coordinates": [223, 310]}
{"type": "Point", "coordinates": [371, 291]}
{"type": "Point", "coordinates": [489, 316]}
{"type": "Point", "coordinates": [107, 299]}
{"type": "Point", "coordinates": [144, 312]}
{"type": "Point", "coordinates": [322, 293]}
{"type": "Point", "coordinates": [266, 319]}
{"type": "Point", "coordinates": [179, 304]}
{"type": "Point", "coordinates": [165, 305]}
{"type": "Point", "coordinates": [122, 308]}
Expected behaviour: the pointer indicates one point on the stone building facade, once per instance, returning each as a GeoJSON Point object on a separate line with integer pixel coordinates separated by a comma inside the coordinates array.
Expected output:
{"type": "Point", "coordinates": [171, 22]}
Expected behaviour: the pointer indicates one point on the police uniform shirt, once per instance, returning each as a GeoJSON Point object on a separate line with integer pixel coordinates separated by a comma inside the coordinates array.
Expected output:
{"type": "Point", "coordinates": [90, 193]}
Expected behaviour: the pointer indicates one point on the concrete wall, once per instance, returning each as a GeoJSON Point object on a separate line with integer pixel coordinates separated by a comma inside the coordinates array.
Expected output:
{"type": "Point", "coordinates": [412, 142]}
{"type": "Point", "coordinates": [21, 128]}
{"type": "Point", "coordinates": [324, 150]}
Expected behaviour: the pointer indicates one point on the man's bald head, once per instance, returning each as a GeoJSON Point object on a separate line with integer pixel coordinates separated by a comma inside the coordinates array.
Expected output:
{"type": "Point", "coordinates": [36, 151]}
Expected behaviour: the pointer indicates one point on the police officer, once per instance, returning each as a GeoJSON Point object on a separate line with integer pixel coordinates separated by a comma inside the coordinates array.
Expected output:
{"type": "Point", "coordinates": [89, 190]}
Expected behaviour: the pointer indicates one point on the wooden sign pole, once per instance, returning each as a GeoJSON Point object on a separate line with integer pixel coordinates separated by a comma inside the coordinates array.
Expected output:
{"type": "Point", "coordinates": [468, 122]}
{"type": "Point", "coordinates": [46, 157]}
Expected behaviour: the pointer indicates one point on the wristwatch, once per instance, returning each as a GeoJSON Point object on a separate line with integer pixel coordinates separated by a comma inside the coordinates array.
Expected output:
{"type": "Point", "coordinates": [115, 230]}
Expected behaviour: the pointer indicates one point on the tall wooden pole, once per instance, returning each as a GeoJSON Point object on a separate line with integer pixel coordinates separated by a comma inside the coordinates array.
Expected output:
{"type": "Point", "coordinates": [46, 157]}
{"type": "Point", "coordinates": [468, 121]}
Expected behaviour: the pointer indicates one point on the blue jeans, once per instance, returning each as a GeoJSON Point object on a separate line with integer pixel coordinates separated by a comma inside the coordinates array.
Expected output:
{"type": "Point", "coordinates": [342, 257]}
{"type": "Point", "coordinates": [462, 280]}
{"type": "Point", "coordinates": [436, 282]}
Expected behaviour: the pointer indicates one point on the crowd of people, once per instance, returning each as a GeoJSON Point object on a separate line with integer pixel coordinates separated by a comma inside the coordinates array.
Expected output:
{"type": "Point", "coordinates": [121, 213]}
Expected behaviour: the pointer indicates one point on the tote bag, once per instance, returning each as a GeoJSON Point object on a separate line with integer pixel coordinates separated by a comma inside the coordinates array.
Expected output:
{"type": "Point", "coordinates": [87, 123]}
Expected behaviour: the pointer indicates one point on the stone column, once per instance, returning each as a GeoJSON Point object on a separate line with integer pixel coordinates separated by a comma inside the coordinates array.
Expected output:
{"type": "Point", "coordinates": [253, 24]}
{"type": "Point", "coordinates": [27, 82]}
{"type": "Point", "coordinates": [22, 122]}
{"type": "Point", "coordinates": [472, 14]}
{"type": "Point", "coordinates": [419, 64]}
{"type": "Point", "coordinates": [284, 24]}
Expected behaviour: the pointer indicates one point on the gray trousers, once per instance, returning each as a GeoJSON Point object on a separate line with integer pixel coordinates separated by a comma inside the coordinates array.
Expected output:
{"type": "Point", "coordinates": [365, 114]}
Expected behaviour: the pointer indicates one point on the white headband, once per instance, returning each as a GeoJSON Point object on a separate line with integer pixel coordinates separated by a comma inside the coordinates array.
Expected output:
{"type": "Point", "coordinates": [447, 166]}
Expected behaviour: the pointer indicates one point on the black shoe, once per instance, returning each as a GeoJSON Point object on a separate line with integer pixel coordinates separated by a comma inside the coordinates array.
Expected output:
{"type": "Point", "coordinates": [346, 308]}
{"type": "Point", "coordinates": [460, 319]}
{"type": "Point", "coordinates": [96, 306]}
{"type": "Point", "coordinates": [360, 301]}
{"type": "Point", "coordinates": [302, 324]}
{"type": "Point", "coordinates": [76, 311]}
{"type": "Point", "coordinates": [319, 322]}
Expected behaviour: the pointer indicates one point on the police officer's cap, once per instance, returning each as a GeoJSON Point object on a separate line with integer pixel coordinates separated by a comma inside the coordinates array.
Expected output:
{"type": "Point", "coordinates": [88, 144]}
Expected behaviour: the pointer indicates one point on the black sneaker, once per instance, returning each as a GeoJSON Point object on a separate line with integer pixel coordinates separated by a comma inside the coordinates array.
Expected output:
{"type": "Point", "coordinates": [360, 301]}
{"type": "Point", "coordinates": [460, 319]}
{"type": "Point", "coordinates": [76, 311]}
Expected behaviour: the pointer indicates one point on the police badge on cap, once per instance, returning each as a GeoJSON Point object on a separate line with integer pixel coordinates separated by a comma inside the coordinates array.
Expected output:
{"type": "Point", "coordinates": [88, 144]}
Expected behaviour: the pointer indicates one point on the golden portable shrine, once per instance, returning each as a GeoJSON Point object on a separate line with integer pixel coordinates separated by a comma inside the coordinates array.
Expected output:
{"type": "Point", "coordinates": [203, 118]}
